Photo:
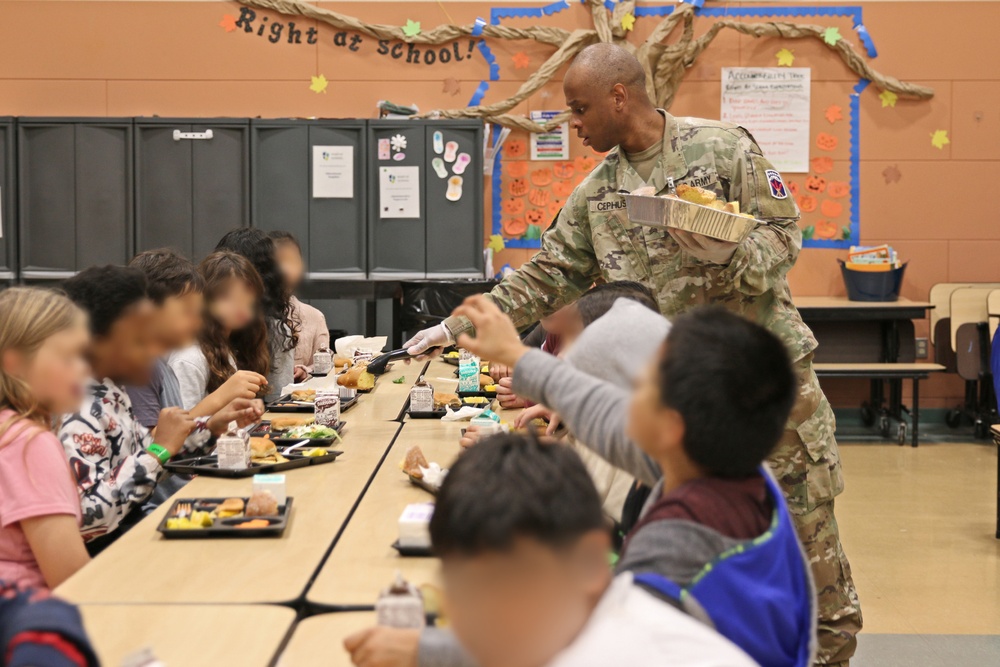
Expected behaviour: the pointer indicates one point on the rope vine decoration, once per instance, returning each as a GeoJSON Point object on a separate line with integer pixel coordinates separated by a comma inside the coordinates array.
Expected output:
{"type": "Point", "coordinates": [664, 63]}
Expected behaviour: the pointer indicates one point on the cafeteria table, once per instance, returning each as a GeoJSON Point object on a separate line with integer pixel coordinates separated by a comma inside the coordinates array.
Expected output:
{"type": "Point", "coordinates": [189, 635]}
{"type": "Point", "coordinates": [363, 561]}
{"type": "Point", "coordinates": [143, 567]}
{"type": "Point", "coordinates": [319, 640]}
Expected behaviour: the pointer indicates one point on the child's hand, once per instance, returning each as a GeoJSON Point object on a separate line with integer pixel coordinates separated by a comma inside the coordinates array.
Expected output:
{"type": "Point", "coordinates": [172, 429]}
{"type": "Point", "coordinates": [384, 647]}
{"type": "Point", "coordinates": [500, 371]}
{"type": "Point", "coordinates": [505, 394]}
{"type": "Point", "coordinates": [242, 384]}
{"type": "Point", "coordinates": [496, 338]}
{"type": "Point", "coordinates": [243, 411]}
{"type": "Point", "coordinates": [470, 437]}
{"type": "Point", "coordinates": [300, 374]}
{"type": "Point", "coordinates": [538, 412]}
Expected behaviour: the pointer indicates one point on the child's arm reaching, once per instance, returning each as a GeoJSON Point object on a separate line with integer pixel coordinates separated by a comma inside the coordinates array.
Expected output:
{"type": "Point", "coordinates": [595, 411]}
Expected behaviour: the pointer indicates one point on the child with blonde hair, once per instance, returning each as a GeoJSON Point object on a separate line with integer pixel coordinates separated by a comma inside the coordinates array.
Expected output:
{"type": "Point", "coordinates": [43, 337]}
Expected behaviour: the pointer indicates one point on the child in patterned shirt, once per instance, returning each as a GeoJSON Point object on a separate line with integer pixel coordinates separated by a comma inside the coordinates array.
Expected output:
{"type": "Point", "coordinates": [115, 459]}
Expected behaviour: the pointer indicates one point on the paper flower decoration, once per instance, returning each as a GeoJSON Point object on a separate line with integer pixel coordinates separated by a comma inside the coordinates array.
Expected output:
{"type": "Point", "coordinates": [319, 84]}
{"type": "Point", "coordinates": [398, 142]}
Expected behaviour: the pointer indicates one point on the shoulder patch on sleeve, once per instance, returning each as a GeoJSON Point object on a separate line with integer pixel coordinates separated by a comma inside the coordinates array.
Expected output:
{"type": "Point", "coordinates": [776, 185]}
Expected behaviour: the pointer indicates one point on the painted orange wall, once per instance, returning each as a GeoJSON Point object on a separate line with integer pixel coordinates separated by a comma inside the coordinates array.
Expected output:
{"type": "Point", "coordinates": [83, 58]}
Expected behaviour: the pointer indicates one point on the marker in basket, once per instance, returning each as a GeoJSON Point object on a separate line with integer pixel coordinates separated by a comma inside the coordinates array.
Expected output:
{"type": "Point", "coordinates": [233, 449]}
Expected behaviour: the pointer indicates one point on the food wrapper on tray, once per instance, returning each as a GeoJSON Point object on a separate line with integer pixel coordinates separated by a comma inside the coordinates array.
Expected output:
{"type": "Point", "coordinates": [692, 210]}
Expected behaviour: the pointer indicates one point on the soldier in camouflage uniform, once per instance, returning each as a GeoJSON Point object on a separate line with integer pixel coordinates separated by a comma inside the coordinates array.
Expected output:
{"type": "Point", "coordinates": [592, 240]}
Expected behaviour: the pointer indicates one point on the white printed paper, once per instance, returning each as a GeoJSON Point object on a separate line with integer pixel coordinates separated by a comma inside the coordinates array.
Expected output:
{"type": "Point", "coordinates": [399, 192]}
{"type": "Point", "coordinates": [551, 145]}
{"type": "Point", "coordinates": [773, 103]}
{"type": "Point", "coordinates": [333, 172]}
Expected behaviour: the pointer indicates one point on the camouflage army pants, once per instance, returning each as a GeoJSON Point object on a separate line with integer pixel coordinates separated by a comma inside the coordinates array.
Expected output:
{"type": "Point", "coordinates": [806, 464]}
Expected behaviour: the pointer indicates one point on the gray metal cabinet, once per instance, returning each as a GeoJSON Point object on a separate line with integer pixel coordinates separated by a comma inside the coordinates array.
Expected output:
{"type": "Point", "coordinates": [192, 182]}
{"type": "Point", "coordinates": [8, 197]}
{"type": "Point", "coordinates": [74, 195]}
{"type": "Point", "coordinates": [455, 228]}
{"type": "Point", "coordinates": [332, 231]}
{"type": "Point", "coordinates": [446, 241]}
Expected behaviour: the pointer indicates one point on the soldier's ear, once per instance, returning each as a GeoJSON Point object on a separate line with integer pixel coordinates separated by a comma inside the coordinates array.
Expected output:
{"type": "Point", "coordinates": [620, 96]}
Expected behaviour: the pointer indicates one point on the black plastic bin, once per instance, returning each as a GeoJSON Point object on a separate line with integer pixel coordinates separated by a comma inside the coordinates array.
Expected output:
{"type": "Point", "coordinates": [426, 303]}
{"type": "Point", "coordinates": [872, 285]}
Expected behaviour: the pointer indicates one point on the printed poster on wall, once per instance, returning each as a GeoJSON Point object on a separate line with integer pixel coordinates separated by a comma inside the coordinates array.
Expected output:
{"type": "Point", "coordinates": [399, 192]}
{"type": "Point", "coordinates": [773, 104]}
{"type": "Point", "coordinates": [552, 145]}
{"type": "Point", "coordinates": [333, 172]}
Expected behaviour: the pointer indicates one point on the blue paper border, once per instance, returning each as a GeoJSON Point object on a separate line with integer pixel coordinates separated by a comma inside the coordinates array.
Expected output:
{"type": "Point", "coordinates": [853, 12]}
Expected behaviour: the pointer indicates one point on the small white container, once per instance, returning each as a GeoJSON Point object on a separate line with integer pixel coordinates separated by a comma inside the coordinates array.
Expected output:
{"type": "Point", "coordinates": [327, 407]}
{"type": "Point", "coordinates": [273, 483]}
{"type": "Point", "coordinates": [322, 362]}
{"type": "Point", "coordinates": [400, 606]}
{"type": "Point", "coordinates": [233, 449]}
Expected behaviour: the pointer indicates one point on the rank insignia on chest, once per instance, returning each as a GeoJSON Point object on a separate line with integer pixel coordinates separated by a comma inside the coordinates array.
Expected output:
{"type": "Point", "coordinates": [606, 205]}
{"type": "Point", "coordinates": [778, 190]}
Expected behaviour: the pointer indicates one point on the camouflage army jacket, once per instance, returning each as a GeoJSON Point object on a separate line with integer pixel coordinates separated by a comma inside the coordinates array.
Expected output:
{"type": "Point", "coordinates": [592, 240]}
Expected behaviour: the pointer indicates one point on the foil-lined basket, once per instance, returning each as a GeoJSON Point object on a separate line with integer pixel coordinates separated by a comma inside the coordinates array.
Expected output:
{"type": "Point", "coordinates": [671, 212]}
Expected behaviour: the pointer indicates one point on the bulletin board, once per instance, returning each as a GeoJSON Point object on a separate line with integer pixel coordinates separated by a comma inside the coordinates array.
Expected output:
{"type": "Point", "coordinates": [527, 195]}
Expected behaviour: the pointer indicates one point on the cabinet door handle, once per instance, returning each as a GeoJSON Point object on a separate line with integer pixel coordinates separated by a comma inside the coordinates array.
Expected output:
{"type": "Point", "coordinates": [178, 135]}
{"type": "Point", "coordinates": [47, 275]}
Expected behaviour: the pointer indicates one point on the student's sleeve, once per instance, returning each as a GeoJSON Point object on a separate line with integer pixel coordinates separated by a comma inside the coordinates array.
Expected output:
{"type": "Point", "coordinates": [44, 631]}
{"type": "Point", "coordinates": [563, 269]}
{"type": "Point", "coordinates": [595, 411]}
{"type": "Point", "coordinates": [766, 256]}
{"type": "Point", "coordinates": [440, 648]}
{"type": "Point", "coordinates": [201, 439]}
{"type": "Point", "coordinates": [107, 493]}
{"type": "Point", "coordinates": [193, 379]}
{"type": "Point", "coordinates": [145, 404]}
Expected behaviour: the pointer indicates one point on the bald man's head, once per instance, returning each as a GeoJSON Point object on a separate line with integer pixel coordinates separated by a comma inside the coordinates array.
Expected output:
{"type": "Point", "coordinates": [605, 89]}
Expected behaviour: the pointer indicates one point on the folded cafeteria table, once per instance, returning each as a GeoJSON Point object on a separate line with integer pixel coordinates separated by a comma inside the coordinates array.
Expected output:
{"type": "Point", "coordinates": [189, 635]}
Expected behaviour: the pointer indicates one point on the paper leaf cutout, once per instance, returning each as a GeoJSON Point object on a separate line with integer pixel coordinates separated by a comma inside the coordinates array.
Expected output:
{"type": "Point", "coordinates": [628, 21]}
{"type": "Point", "coordinates": [496, 243]}
{"type": "Point", "coordinates": [452, 87]}
{"type": "Point", "coordinates": [939, 139]}
{"type": "Point", "coordinates": [891, 174]}
{"type": "Point", "coordinates": [786, 57]}
{"type": "Point", "coordinates": [534, 232]}
{"type": "Point", "coordinates": [521, 60]}
{"type": "Point", "coordinates": [888, 98]}
{"type": "Point", "coordinates": [412, 28]}
{"type": "Point", "coordinates": [319, 84]}
{"type": "Point", "coordinates": [831, 36]}
{"type": "Point", "coordinates": [822, 165]}
{"type": "Point", "coordinates": [834, 113]}
{"type": "Point", "coordinates": [228, 22]}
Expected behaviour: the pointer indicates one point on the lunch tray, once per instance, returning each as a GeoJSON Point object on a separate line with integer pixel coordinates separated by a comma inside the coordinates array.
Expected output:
{"type": "Point", "coordinates": [477, 394]}
{"type": "Point", "coordinates": [435, 414]}
{"type": "Point", "coordinates": [225, 527]}
{"type": "Point", "coordinates": [208, 466]}
{"type": "Point", "coordinates": [412, 552]}
{"type": "Point", "coordinates": [264, 428]}
{"type": "Point", "coordinates": [663, 212]}
{"type": "Point", "coordinates": [287, 404]}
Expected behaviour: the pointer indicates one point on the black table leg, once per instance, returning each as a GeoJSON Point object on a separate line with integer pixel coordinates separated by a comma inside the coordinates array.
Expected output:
{"type": "Point", "coordinates": [916, 410]}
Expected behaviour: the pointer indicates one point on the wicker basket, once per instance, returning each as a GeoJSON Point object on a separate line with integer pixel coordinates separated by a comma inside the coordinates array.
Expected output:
{"type": "Point", "coordinates": [670, 212]}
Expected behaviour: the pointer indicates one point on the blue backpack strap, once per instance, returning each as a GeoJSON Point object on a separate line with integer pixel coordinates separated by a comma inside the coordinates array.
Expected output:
{"type": "Point", "coordinates": [661, 587]}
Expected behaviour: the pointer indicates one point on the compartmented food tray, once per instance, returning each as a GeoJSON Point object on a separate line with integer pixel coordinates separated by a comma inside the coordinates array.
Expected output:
{"type": "Point", "coordinates": [476, 394]}
{"type": "Point", "coordinates": [665, 212]}
{"type": "Point", "coordinates": [209, 465]}
{"type": "Point", "coordinates": [225, 527]}
{"type": "Point", "coordinates": [435, 414]}
{"type": "Point", "coordinates": [287, 404]}
{"type": "Point", "coordinates": [412, 552]}
{"type": "Point", "coordinates": [263, 429]}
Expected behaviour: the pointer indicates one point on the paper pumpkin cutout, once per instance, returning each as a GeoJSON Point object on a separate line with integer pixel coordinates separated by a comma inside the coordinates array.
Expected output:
{"type": "Point", "coordinates": [554, 207]}
{"type": "Point", "coordinates": [541, 177]}
{"type": "Point", "coordinates": [516, 147]}
{"type": "Point", "coordinates": [585, 164]}
{"type": "Point", "coordinates": [535, 216]}
{"type": "Point", "coordinates": [826, 141]}
{"type": "Point", "coordinates": [513, 206]}
{"type": "Point", "coordinates": [807, 203]}
{"type": "Point", "coordinates": [831, 209]}
{"type": "Point", "coordinates": [793, 188]}
{"type": "Point", "coordinates": [838, 189]}
{"type": "Point", "coordinates": [514, 226]}
{"type": "Point", "coordinates": [822, 165]}
{"type": "Point", "coordinates": [563, 170]}
{"type": "Point", "coordinates": [826, 230]}
{"type": "Point", "coordinates": [516, 168]}
{"type": "Point", "coordinates": [538, 197]}
{"type": "Point", "coordinates": [815, 184]}
{"type": "Point", "coordinates": [563, 188]}
{"type": "Point", "coordinates": [518, 187]}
